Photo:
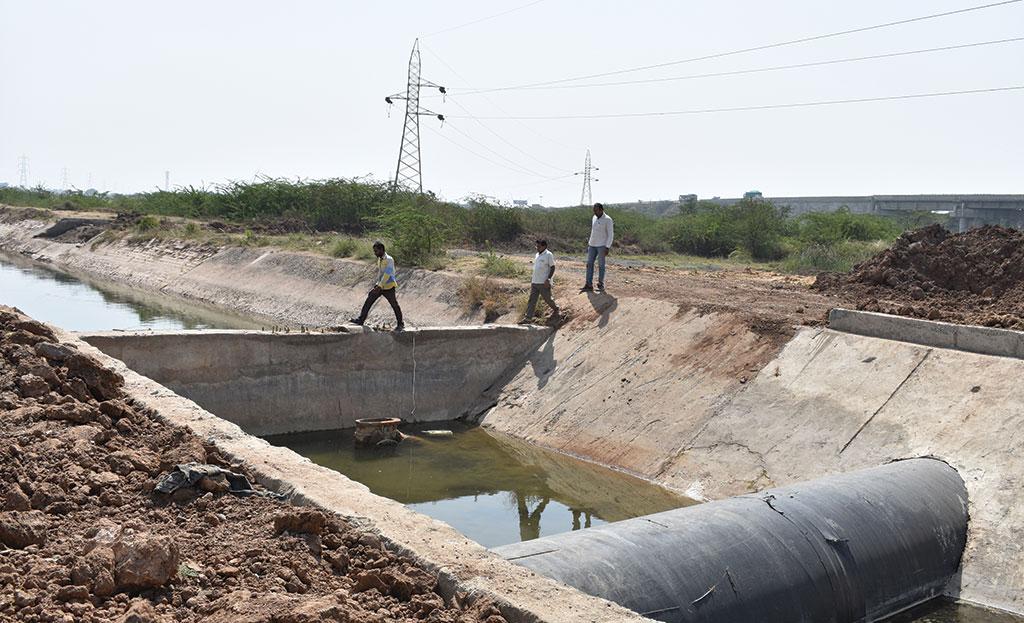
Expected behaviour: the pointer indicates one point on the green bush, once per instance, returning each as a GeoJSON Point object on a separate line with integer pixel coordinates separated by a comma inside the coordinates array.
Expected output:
{"type": "Point", "coordinates": [707, 234]}
{"type": "Point", "coordinates": [344, 247]}
{"type": "Point", "coordinates": [147, 223]}
{"type": "Point", "coordinates": [842, 225]}
{"type": "Point", "coordinates": [814, 257]}
{"type": "Point", "coordinates": [417, 237]}
{"type": "Point", "coordinates": [486, 222]}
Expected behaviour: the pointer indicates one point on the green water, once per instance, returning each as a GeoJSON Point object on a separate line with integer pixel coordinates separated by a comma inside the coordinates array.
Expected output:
{"type": "Point", "coordinates": [492, 488]}
{"type": "Point", "coordinates": [942, 611]}
{"type": "Point", "coordinates": [74, 305]}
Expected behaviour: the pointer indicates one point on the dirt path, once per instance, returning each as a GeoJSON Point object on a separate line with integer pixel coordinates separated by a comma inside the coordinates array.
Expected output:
{"type": "Point", "coordinates": [85, 537]}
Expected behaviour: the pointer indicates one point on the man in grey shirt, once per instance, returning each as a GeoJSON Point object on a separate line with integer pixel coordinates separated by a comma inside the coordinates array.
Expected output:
{"type": "Point", "coordinates": [601, 234]}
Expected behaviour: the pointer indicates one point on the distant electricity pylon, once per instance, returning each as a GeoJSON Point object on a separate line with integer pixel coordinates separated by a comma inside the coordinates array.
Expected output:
{"type": "Point", "coordinates": [64, 178]}
{"type": "Point", "coordinates": [586, 198]}
{"type": "Point", "coordinates": [167, 181]}
{"type": "Point", "coordinates": [23, 171]}
{"type": "Point", "coordinates": [409, 174]}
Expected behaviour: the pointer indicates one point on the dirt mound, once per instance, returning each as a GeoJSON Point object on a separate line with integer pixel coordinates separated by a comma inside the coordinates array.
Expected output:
{"type": "Point", "coordinates": [976, 277]}
{"type": "Point", "coordinates": [84, 537]}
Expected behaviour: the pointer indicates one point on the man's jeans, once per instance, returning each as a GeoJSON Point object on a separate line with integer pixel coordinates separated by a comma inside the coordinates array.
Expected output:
{"type": "Point", "coordinates": [592, 254]}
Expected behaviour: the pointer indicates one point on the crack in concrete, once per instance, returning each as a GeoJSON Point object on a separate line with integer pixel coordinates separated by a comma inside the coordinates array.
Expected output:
{"type": "Point", "coordinates": [879, 409]}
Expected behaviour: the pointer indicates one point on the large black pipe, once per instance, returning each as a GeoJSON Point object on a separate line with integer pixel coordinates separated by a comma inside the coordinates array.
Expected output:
{"type": "Point", "coordinates": [848, 548]}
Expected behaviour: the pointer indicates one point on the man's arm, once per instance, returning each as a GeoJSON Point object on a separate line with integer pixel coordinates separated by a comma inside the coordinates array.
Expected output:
{"type": "Point", "coordinates": [611, 235]}
{"type": "Point", "coordinates": [551, 273]}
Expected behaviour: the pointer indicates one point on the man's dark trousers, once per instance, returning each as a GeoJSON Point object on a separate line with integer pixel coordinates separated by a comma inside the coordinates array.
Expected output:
{"type": "Point", "coordinates": [375, 294]}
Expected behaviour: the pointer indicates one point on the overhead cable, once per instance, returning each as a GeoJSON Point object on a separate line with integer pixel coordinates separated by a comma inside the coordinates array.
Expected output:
{"type": "Point", "coordinates": [482, 19]}
{"type": "Point", "coordinates": [766, 46]}
{"type": "Point", "coordinates": [700, 111]}
{"type": "Point", "coordinates": [738, 72]}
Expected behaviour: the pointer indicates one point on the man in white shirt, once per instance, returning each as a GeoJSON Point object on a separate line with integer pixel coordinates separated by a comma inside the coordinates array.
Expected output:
{"type": "Point", "coordinates": [601, 234]}
{"type": "Point", "coordinates": [540, 285]}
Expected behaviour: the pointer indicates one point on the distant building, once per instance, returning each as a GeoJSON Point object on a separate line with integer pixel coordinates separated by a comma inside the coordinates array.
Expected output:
{"type": "Point", "coordinates": [753, 194]}
{"type": "Point", "coordinates": [520, 203]}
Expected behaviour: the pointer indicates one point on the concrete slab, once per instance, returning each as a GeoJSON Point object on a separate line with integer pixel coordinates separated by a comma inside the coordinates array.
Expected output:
{"type": "Point", "coordinates": [271, 383]}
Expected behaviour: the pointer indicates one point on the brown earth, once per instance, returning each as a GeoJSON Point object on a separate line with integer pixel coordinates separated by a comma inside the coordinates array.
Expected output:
{"type": "Point", "coordinates": [83, 537]}
{"type": "Point", "coordinates": [976, 277]}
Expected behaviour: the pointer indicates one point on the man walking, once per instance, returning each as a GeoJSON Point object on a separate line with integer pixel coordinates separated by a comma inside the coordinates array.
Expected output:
{"type": "Point", "coordinates": [540, 285]}
{"type": "Point", "coordinates": [601, 234]}
{"type": "Point", "coordinates": [386, 286]}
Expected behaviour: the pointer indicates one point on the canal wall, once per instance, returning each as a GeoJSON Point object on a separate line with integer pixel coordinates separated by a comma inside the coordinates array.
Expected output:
{"type": "Point", "coordinates": [271, 383]}
{"type": "Point", "coordinates": [686, 406]}
{"type": "Point", "coordinates": [273, 286]}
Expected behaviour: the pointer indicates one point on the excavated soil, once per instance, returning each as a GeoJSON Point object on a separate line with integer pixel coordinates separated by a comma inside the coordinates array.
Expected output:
{"type": "Point", "coordinates": [976, 277]}
{"type": "Point", "coordinates": [84, 537]}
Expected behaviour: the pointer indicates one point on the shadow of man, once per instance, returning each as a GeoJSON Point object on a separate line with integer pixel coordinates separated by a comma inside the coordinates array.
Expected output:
{"type": "Point", "coordinates": [543, 362]}
{"type": "Point", "coordinates": [604, 304]}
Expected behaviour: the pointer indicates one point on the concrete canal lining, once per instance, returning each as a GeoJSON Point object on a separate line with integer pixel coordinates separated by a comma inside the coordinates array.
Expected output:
{"type": "Point", "coordinates": [271, 383]}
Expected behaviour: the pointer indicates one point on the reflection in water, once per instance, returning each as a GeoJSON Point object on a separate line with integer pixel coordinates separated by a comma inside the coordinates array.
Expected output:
{"type": "Point", "coordinates": [943, 611]}
{"type": "Point", "coordinates": [62, 300]}
{"type": "Point", "coordinates": [491, 488]}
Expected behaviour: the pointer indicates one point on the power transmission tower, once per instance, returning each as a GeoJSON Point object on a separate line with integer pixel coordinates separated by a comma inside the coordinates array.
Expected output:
{"type": "Point", "coordinates": [408, 174]}
{"type": "Point", "coordinates": [167, 181]}
{"type": "Point", "coordinates": [585, 197]}
{"type": "Point", "coordinates": [64, 178]}
{"type": "Point", "coordinates": [23, 171]}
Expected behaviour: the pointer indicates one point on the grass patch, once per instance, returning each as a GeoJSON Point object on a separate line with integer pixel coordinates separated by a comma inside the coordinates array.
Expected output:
{"type": "Point", "coordinates": [837, 257]}
{"type": "Point", "coordinates": [344, 247]}
{"type": "Point", "coordinates": [495, 265]}
{"type": "Point", "coordinates": [478, 293]}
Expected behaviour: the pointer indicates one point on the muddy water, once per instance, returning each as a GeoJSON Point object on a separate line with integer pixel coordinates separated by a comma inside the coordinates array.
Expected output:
{"type": "Point", "coordinates": [77, 306]}
{"type": "Point", "coordinates": [492, 488]}
{"type": "Point", "coordinates": [942, 611]}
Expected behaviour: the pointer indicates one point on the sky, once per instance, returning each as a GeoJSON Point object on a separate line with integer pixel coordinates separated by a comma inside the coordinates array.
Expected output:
{"type": "Point", "coordinates": [118, 92]}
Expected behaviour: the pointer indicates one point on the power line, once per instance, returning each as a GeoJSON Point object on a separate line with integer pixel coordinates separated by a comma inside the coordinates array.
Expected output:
{"type": "Point", "coordinates": [503, 111]}
{"type": "Point", "coordinates": [665, 113]}
{"type": "Point", "coordinates": [739, 72]}
{"type": "Point", "coordinates": [767, 46]}
{"type": "Point", "coordinates": [485, 158]}
{"type": "Point", "coordinates": [522, 168]}
{"type": "Point", "coordinates": [482, 19]}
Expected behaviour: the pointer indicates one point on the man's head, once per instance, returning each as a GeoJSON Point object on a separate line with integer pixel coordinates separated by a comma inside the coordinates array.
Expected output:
{"type": "Point", "coordinates": [598, 210]}
{"type": "Point", "coordinates": [542, 245]}
{"type": "Point", "coordinates": [378, 248]}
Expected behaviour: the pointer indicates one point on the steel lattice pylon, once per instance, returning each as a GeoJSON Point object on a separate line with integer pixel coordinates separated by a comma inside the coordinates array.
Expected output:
{"type": "Point", "coordinates": [586, 198]}
{"type": "Point", "coordinates": [409, 173]}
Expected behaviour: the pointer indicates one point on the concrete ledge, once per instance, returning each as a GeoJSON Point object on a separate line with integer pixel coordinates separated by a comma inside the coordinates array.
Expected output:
{"type": "Point", "coordinates": [967, 338]}
{"type": "Point", "coordinates": [270, 383]}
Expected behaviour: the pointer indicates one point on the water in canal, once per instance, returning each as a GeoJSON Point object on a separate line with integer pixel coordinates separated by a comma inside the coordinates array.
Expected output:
{"type": "Point", "coordinates": [492, 488]}
{"type": "Point", "coordinates": [77, 306]}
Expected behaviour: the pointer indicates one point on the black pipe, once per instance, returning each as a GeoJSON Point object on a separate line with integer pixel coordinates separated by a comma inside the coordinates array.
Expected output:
{"type": "Point", "coordinates": [843, 549]}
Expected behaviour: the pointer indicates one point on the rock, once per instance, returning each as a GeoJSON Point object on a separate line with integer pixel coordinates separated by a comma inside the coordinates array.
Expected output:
{"type": "Point", "coordinates": [123, 462]}
{"type": "Point", "coordinates": [15, 499]}
{"type": "Point", "coordinates": [23, 599]}
{"type": "Point", "coordinates": [300, 520]}
{"type": "Point", "coordinates": [85, 432]}
{"type": "Point", "coordinates": [19, 529]}
{"type": "Point", "coordinates": [46, 494]}
{"type": "Point", "coordinates": [75, 412]}
{"type": "Point", "coordinates": [32, 386]}
{"type": "Point", "coordinates": [367, 580]}
{"type": "Point", "coordinates": [144, 561]}
{"type": "Point", "coordinates": [34, 327]}
{"type": "Point", "coordinates": [55, 352]}
{"type": "Point", "coordinates": [338, 559]}
{"type": "Point", "coordinates": [214, 484]}
{"type": "Point", "coordinates": [72, 593]}
{"type": "Point", "coordinates": [95, 571]}
{"type": "Point", "coordinates": [102, 480]}
{"type": "Point", "coordinates": [916, 293]}
{"type": "Point", "coordinates": [103, 383]}
{"type": "Point", "coordinates": [140, 611]}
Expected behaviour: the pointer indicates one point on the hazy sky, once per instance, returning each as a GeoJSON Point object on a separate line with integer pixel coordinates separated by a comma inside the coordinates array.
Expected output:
{"type": "Point", "coordinates": [124, 90]}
